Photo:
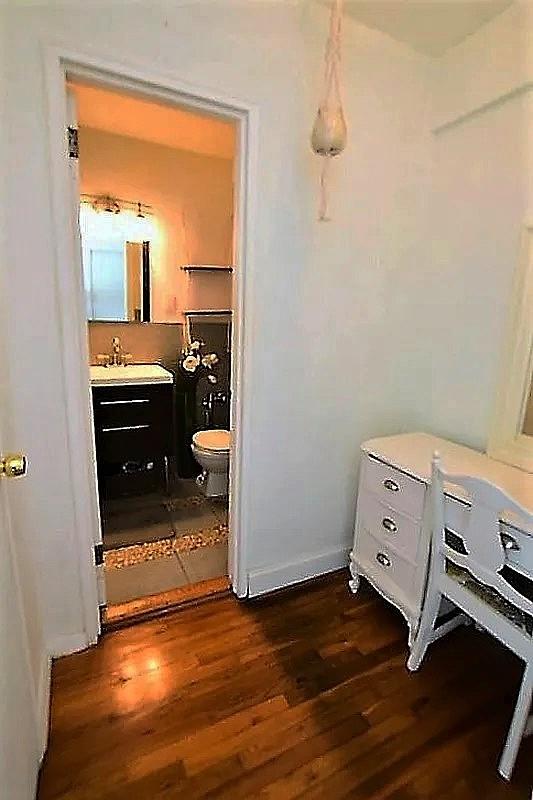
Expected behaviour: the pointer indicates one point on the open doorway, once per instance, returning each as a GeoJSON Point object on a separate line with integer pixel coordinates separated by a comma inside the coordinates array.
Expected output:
{"type": "Point", "coordinates": [156, 187]}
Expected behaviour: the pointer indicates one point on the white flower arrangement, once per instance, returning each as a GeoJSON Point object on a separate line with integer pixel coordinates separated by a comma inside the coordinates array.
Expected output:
{"type": "Point", "coordinates": [190, 363]}
{"type": "Point", "coordinates": [191, 360]}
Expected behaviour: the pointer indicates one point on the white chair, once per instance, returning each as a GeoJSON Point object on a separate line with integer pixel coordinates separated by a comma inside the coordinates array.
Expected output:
{"type": "Point", "coordinates": [470, 576]}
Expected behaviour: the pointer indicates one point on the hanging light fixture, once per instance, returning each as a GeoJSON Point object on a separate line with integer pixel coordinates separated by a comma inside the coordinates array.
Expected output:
{"type": "Point", "coordinates": [329, 135]}
{"type": "Point", "coordinates": [126, 220]}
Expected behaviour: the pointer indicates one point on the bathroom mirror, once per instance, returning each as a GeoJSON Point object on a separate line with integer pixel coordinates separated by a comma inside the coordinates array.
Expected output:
{"type": "Point", "coordinates": [117, 282]}
{"type": "Point", "coordinates": [116, 270]}
{"type": "Point", "coordinates": [511, 438]}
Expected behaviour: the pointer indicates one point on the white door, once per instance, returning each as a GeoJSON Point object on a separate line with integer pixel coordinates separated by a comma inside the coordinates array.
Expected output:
{"type": "Point", "coordinates": [20, 745]}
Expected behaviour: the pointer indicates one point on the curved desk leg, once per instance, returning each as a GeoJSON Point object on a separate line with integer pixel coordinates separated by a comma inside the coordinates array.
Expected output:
{"type": "Point", "coordinates": [355, 579]}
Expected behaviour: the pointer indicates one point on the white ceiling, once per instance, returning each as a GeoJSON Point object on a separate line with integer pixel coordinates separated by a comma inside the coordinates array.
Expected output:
{"type": "Point", "coordinates": [150, 121]}
{"type": "Point", "coordinates": [429, 26]}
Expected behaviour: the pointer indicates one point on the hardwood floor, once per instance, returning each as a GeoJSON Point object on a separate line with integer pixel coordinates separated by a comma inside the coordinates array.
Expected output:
{"type": "Point", "coordinates": [303, 694]}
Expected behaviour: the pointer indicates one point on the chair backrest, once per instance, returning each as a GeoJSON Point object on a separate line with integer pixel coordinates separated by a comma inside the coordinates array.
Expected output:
{"type": "Point", "coordinates": [485, 552]}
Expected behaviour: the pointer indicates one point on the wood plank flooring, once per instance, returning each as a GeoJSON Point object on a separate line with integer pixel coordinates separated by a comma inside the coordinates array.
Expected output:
{"type": "Point", "coordinates": [303, 694]}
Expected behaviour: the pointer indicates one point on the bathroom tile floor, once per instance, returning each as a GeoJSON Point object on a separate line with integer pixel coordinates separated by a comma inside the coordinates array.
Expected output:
{"type": "Point", "coordinates": [156, 543]}
{"type": "Point", "coordinates": [156, 516]}
{"type": "Point", "coordinates": [163, 574]}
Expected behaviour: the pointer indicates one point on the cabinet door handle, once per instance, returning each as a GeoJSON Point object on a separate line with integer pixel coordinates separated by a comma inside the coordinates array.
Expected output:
{"type": "Point", "coordinates": [125, 428]}
{"type": "Point", "coordinates": [509, 542]}
{"type": "Point", "coordinates": [383, 559]}
{"type": "Point", "coordinates": [389, 525]}
{"type": "Point", "coordinates": [121, 402]}
{"type": "Point", "coordinates": [391, 485]}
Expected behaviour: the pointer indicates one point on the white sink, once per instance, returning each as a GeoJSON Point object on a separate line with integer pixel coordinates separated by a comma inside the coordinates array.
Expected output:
{"type": "Point", "coordinates": [132, 374]}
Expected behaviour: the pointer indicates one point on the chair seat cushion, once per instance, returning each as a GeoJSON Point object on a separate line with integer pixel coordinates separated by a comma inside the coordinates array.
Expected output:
{"type": "Point", "coordinates": [490, 596]}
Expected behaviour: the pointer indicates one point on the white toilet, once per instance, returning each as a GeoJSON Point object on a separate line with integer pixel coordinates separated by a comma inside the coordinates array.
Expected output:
{"type": "Point", "coordinates": [211, 451]}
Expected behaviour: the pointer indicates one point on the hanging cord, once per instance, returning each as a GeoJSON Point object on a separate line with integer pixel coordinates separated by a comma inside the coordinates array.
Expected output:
{"type": "Point", "coordinates": [333, 57]}
{"type": "Point", "coordinates": [323, 195]}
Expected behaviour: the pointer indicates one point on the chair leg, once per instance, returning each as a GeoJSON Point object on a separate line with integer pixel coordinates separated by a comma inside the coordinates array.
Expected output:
{"type": "Point", "coordinates": [424, 633]}
{"type": "Point", "coordinates": [518, 724]}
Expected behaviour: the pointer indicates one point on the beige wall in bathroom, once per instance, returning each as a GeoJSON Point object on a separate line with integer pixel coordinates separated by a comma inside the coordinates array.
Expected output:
{"type": "Point", "coordinates": [192, 199]}
{"type": "Point", "coordinates": [147, 341]}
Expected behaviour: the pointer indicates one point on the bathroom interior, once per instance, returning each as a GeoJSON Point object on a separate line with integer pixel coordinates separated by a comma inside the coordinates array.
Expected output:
{"type": "Point", "coordinates": [156, 186]}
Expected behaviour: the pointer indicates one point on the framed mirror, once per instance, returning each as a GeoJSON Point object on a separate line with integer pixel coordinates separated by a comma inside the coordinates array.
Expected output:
{"type": "Point", "coordinates": [116, 267]}
{"type": "Point", "coordinates": [511, 437]}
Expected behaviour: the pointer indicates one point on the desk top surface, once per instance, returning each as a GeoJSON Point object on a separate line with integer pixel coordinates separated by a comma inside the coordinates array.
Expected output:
{"type": "Point", "coordinates": [412, 453]}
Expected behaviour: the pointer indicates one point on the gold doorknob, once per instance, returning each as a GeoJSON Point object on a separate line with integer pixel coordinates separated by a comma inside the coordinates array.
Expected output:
{"type": "Point", "coordinates": [13, 465]}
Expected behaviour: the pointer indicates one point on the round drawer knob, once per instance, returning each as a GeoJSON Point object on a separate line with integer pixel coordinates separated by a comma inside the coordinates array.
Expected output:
{"type": "Point", "coordinates": [383, 559]}
{"type": "Point", "coordinates": [389, 525]}
{"type": "Point", "coordinates": [391, 485]}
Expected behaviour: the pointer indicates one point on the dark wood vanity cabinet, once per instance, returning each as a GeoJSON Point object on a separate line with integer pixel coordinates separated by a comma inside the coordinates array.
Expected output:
{"type": "Point", "coordinates": [133, 427]}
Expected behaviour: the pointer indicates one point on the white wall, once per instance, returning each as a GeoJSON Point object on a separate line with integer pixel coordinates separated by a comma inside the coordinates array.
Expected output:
{"type": "Point", "coordinates": [344, 362]}
{"type": "Point", "coordinates": [334, 355]}
{"type": "Point", "coordinates": [482, 197]}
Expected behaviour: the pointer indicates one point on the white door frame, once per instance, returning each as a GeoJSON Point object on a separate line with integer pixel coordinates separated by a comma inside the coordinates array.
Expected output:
{"type": "Point", "coordinates": [61, 62]}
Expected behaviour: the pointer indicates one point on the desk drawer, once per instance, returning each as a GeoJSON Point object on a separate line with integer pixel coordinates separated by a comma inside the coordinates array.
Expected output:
{"type": "Point", "coordinates": [394, 488]}
{"type": "Point", "coordinates": [518, 544]}
{"type": "Point", "coordinates": [389, 526]}
{"type": "Point", "coordinates": [519, 548]}
{"type": "Point", "coordinates": [383, 561]}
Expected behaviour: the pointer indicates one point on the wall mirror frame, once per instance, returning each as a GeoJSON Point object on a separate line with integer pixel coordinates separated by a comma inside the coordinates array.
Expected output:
{"type": "Point", "coordinates": [507, 441]}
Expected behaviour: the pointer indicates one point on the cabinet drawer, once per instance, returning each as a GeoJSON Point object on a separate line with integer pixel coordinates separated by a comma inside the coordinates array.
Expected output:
{"type": "Point", "coordinates": [113, 413]}
{"type": "Point", "coordinates": [382, 561]}
{"type": "Point", "coordinates": [117, 406]}
{"type": "Point", "coordinates": [133, 422]}
{"type": "Point", "coordinates": [115, 444]}
{"type": "Point", "coordinates": [389, 526]}
{"type": "Point", "coordinates": [394, 488]}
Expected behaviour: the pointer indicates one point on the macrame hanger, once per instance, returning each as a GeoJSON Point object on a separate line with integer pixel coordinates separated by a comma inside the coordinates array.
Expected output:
{"type": "Point", "coordinates": [328, 138]}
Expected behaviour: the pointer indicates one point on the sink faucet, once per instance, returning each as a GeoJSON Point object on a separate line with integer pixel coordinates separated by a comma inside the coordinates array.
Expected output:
{"type": "Point", "coordinates": [118, 357]}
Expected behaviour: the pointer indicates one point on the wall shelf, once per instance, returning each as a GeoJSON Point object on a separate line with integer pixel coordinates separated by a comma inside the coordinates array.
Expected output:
{"type": "Point", "coordinates": [205, 268]}
{"type": "Point", "coordinates": [217, 312]}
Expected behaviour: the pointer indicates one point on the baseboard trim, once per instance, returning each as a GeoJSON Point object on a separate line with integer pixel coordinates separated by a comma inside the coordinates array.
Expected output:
{"type": "Point", "coordinates": [43, 704]}
{"type": "Point", "coordinates": [269, 579]}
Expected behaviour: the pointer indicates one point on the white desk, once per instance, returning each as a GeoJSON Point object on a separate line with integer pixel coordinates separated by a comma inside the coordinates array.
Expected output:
{"type": "Point", "coordinates": [393, 520]}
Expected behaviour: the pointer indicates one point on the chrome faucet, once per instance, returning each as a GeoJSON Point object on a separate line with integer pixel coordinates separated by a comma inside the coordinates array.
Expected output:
{"type": "Point", "coordinates": [118, 357]}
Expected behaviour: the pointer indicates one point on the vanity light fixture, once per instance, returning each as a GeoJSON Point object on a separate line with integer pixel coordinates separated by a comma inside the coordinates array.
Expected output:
{"type": "Point", "coordinates": [115, 205]}
{"type": "Point", "coordinates": [111, 206]}
{"type": "Point", "coordinates": [329, 135]}
{"type": "Point", "coordinates": [129, 220]}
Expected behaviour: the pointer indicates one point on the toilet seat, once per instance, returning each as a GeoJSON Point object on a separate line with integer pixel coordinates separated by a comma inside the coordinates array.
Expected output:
{"type": "Point", "coordinates": [215, 441]}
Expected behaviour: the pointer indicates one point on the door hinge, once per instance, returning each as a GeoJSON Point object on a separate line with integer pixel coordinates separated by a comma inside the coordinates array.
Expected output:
{"type": "Point", "coordinates": [102, 616]}
{"type": "Point", "coordinates": [99, 554]}
{"type": "Point", "coordinates": [73, 142]}
{"type": "Point", "coordinates": [100, 579]}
